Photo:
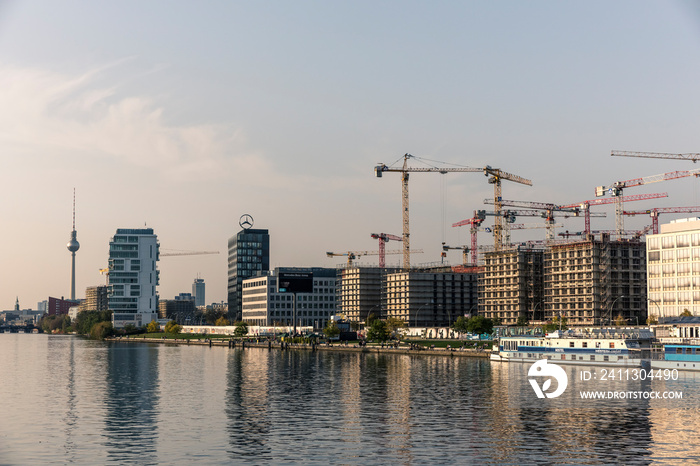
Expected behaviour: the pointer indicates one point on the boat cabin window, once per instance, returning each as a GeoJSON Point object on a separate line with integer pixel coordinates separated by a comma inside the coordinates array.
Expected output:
{"type": "Point", "coordinates": [612, 345]}
{"type": "Point", "coordinates": [584, 344]}
{"type": "Point", "coordinates": [679, 350]}
{"type": "Point", "coordinates": [571, 344]}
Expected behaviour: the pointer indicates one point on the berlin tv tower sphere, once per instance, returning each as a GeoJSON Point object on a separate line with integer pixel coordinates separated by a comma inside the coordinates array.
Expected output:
{"type": "Point", "coordinates": [73, 244]}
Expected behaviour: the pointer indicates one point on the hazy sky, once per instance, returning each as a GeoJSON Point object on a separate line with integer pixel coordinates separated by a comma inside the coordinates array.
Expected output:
{"type": "Point", "coordinates": [185, 115]}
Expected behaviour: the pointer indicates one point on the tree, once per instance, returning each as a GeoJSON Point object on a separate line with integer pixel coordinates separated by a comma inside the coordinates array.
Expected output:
{"type": "Point", "coordinates": [460, 325]}
{"type": "Point", "coordinates": [394, 326]}
{"type": "Point", "coordinates": [222, 322]}
{"type": "Point", "coordinates": [87, 319]}
{"type": "Point", "coordinates": [522, 321]}
{"type": "Point", "coordinates": [652, 320]}
{"type": "Point", "coordinates": [331, 330]}
{"type": "Point", "coordinates": [686, 313]}
{"type": "Point", "coordinates": [370, 318]}
{"type": "Point", "coordinates": [153, 327]}
{"type": "Point", "coordinates": [554, 325]}
{"type": "Point", "coordinates": [241, 329]}
{"type": "Point", "coordinates": [101, 330]}
{"type": "Point", "coordinates": [619, 320]}
{"type": "Point", "coordinates": [378, 331]}
{"type": "Point", "coordinates": [172, 327]}
{"type": "Point", "coordinates": [479, 325]}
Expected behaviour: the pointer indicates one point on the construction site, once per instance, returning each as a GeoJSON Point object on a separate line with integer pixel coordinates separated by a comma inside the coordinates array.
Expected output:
{"type": "Point", "coordinates": [586, 278]}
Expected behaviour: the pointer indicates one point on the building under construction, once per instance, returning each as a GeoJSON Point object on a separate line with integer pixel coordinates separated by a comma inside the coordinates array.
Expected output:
{"type": "Point", "coordinates": [511, 284]}
{"type": "Point", "coordinates": [359, 292]}
{"type": "Point", "coordinates": [596, 282]}
{"type": "Point", "coordinates": [431, 297]}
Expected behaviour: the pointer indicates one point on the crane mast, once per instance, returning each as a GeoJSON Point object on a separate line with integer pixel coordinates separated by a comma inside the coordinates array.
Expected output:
{"type": "Point", "coordinates": [616, 189]}
{"type": "Point", "coordinates": [496, 175]}
{"type": "Point", "coordinates": [585, 205]}
{"type": "Point", "coordinates": [383, 238]}
{"type": "Point", "coordinates": [654, 214]}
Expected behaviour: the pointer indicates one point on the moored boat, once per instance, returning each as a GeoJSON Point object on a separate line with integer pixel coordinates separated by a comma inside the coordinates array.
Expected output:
{"type": "Point", "coordinates": [585, 346]}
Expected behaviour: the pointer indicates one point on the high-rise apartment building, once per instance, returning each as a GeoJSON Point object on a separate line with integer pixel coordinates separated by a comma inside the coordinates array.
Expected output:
{"type": "Point", "coordinates": [596, 282]}
{"type": "Point", "coordinates": [360, 290]}
{"type": "Point", "coordinates": [95, 299]}
{"type": "Point", "coordinates": [248, 256]}
{"type": "Point", "coordinates": [430, 298]}
{"type": "Point", "coordinates": [198, 292]}
{"type": "Point", "coordinates": [673, 269]}
{"type": "Point", "coordinates": [511, 284]}
{"type": "Point", "coordinates": [133, 277]}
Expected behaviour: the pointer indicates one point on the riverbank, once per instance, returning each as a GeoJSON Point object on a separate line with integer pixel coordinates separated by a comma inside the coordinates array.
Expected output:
{"type": "Point", "coordinates": [421, 351]}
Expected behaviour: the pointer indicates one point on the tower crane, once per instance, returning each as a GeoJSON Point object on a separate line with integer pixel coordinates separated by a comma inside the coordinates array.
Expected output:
{"type": "Point", "coordinates": [510, 216]}
{"type": "Point", "coordinates": [352, 255]}
{"type": "Point", "coordinates": [383, 239]}
{"type": "Point", "coordinates": [654, 214]}
{"type": "Point", "coordinates": [634, 234]}
{"type": "Point", "coordinates": [616, 188]}
{"type": "Point", "coordinates": [495, 173]}
{"type": "Point", "coordinates": [474, 223]}
{"type": "Point", "coordinates": [655, 155]}
{"type": "Point", "coordinates": [585, 205]}
{"type": "Point", "coordinates": [548, 213]}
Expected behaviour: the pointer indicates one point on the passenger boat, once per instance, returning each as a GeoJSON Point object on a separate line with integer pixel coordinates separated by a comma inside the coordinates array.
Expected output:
{"type": "Point", "coordinates": [585, 346]}
{"type": "Point", "coordinates": [681, 356]}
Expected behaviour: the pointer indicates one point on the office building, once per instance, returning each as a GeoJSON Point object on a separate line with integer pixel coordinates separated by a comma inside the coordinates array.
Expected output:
{"type": "Point", "coordinates": [674, 269]}
{"type": "Point", "coordinates": [133, 277]}
{"type": "Point", "coordinates": [263, 304]}
{"type": "Point", "coordinates": [198, 292]}
{"type": "Point", "coordinates": [248, 256]}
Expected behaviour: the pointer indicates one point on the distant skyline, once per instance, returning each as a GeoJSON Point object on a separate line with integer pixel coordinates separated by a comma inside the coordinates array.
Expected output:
{"type": "Point", "coordinates": [183, 116]}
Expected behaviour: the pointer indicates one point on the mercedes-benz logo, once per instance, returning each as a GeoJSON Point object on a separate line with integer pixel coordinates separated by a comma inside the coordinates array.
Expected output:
{"type": "Point", "coordinates": [246, 221]}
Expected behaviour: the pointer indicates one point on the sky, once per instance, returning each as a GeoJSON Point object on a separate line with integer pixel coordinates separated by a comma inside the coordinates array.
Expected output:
{"type": "Point", "coordinates": [183, 116]}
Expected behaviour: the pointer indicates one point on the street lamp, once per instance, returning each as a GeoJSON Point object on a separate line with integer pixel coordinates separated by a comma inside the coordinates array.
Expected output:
{"type": "Point", "coordinates": [657, 307]}
{"type": "Point", "coordinates": [534, 310]}
{"type": "Point", "coordinates": [419, 309]}
{"type": "Point", "coordinates": [610, 309]}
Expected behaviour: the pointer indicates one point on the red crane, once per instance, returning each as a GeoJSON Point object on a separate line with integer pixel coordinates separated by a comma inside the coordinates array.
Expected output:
{"type": "Point", "coordinates": [383, 238]}
{"type": "Point", "coordinates": [616, 188]}
{"type": "Point", "coordinates": [654, 214]}
{"type": "Point", "coordinates": [585, 205]}
{"type": "Point", "coordinates": [475, 223]}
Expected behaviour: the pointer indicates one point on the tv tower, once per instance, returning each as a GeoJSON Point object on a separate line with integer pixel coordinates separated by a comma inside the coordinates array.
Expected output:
{"type": "Point", "coordinates": [73, 246]}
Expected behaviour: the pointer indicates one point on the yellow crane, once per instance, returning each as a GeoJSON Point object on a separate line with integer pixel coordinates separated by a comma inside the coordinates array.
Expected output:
{"type": "Point", "coordinates": [352, 255]}
{"type": "Point", "coordinates": [495, 174]}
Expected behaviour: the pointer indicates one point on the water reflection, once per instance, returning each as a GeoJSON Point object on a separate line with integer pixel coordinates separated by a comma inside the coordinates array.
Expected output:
{"type": "Point", "coordinates": [131, 403]}
{"type": "Point", "coordinates": [247, 404]}
{"type": "Point", "coordinates": [67, 400]}
{"type": "Point", "coordinates": [592, 431]}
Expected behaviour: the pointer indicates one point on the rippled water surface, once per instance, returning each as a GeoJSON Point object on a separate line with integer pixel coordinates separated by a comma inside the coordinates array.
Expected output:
{"type": "Point", "coordinates": [68, 400]}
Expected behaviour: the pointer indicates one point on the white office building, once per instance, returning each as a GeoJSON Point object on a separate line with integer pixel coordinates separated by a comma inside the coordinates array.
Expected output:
{"type": "Point", "coordinates": [133, 277]}
{"type": "Point", "coordinates": [673, 269]}
{"type": "Point", "coordinates": [264, 305]}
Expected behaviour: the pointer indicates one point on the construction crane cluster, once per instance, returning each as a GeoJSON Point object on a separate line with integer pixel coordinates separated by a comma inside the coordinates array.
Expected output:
{"type": "Point", "coordinates": [505, 212]}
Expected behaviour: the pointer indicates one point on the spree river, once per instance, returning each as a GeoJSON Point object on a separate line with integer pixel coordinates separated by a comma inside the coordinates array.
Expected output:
{"type": "Point", "coordinates": [66, 400]}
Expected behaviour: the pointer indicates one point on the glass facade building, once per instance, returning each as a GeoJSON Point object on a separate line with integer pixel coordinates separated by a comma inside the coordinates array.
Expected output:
{"type": "Point", "coordinates": [248, 256]}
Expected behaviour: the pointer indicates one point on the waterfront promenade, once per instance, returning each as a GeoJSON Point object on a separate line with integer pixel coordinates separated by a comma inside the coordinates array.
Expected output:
{"type": "Point", "coordinates": [337, 347]}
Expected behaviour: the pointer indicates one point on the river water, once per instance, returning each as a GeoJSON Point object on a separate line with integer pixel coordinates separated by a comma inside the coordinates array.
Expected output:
{"type": "Point", "coordinates": [66, 400]}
